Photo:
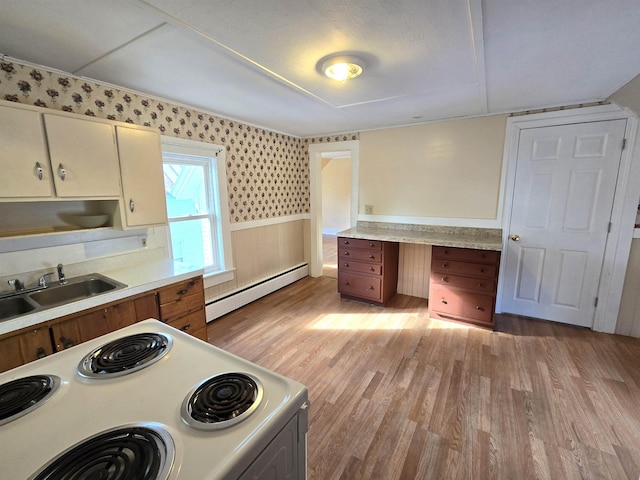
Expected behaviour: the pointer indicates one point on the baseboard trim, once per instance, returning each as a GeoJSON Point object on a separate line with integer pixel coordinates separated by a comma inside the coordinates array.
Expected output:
{"type": "Point", "coordinates": [240, 298]}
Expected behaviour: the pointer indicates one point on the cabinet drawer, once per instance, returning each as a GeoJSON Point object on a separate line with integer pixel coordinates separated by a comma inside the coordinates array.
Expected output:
{"type": "Point", "coordinates": [461, 304]}
{"type": "Point", "coordinates": [480, 285]}
{"type": "Point", "coordinates": [359, 243]}
{"type": "Point", "coordinates": [463, 268]}
{"type": "Point", "coordinates": [349, 265]}
{"type": "Point", "coordinates": [361, 255]}
{"type": "Point", "coordinates": [359, 286]}
{"type": "Point", "coordinates": [171, 310]}
{"type": "Point", "coordinates": [190, 323]}
{"type": "Point", "coordinates": [180, 290]}
{"type": "Point", "coordinates": [466, 254]}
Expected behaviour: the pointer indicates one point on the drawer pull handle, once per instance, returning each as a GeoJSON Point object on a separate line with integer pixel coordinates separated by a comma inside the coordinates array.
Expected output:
{"type": "Point", "coordinates": [478, 307]}
{"type": "Point", "coordinates": [445, 265]}
{"type": "Point", "coordinates": [40, 353]}
{"type": "Point", "coordinates": [346, 254]}
{"type": "Point", "coordinates": [372, 256]}
{"type": "Point", "coordinates": [346, 242]}
{"type": "Point", "coordinates": [346, 264]}
{"type": "Point", "coordinates": [445, 279]}
{"type": "Point", "coordinates": [67, 342]}
{"type": "Point", "coordinates": [372, 269]}
{"type": "Point", "coordinates": [186, 327]}
{"type": "Point", "coordinates": [182, 292]}
{"type": "Point", "coordinates": [372, 245]}
{"type": "Point", "coordinates": [482, 270]}
{"type": "Point", "coordinates": [371, 287]}
{"type": "Point", "coordinates": [346, 283]}
{"type": "Point", "coordinates": [442, 300]}
{"type": "Point", "coordinates": [192, 283]}
{"type": "Point", "coordinates": [446, 252]}
{"type": "Point", "coordinates": [481, 285]}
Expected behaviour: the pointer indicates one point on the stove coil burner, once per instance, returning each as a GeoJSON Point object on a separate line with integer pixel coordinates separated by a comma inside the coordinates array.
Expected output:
{"type": "Point", "coordinates": [222, 401]}
{"type": "Point", "coordinates": [125, 355]}
{"type": "Point", "coordinates": [129, 452]}
{"type": "Point", "coordinates": [21, 396]}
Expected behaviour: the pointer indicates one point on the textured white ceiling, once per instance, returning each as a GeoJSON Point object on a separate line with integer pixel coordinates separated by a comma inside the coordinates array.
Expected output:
{"type": "Point", "coordinates": [258, 61]}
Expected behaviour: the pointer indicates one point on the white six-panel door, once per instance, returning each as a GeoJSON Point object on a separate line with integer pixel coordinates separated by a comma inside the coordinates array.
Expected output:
{"type": "Point", "coordinates": [564, 188]}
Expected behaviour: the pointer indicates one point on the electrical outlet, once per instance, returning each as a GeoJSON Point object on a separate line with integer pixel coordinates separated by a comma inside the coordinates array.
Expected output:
{"type": "Point", "coordinates": [368, 209]}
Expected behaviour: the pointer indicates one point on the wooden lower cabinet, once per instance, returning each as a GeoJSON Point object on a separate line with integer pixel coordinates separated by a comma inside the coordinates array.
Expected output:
{"type": "Point", "coordinates": [463, 285]}
{"type": "Point", "coordinates": [24, 348]}
{"type": "Point", "coordinates": [180, 305]}
{"type": "Point", "coordinates": [367, 269]}
{"type": "Point", "coordinates": [86, 327]}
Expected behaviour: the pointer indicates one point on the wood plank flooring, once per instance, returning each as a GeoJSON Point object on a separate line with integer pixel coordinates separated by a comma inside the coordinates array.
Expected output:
{"type": "Point", "coordinates": [395, 395]}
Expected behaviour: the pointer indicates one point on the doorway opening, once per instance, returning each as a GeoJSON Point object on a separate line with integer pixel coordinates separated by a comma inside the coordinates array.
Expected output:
{"type": "Point", "coordinates": [334, 199]}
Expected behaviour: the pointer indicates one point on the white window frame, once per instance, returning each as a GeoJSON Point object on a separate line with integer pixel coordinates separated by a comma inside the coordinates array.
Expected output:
{"type": "Point", "coordinates": [220, 205]}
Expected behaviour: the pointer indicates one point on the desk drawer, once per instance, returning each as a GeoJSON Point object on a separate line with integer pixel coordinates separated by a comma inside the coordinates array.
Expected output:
{"type": "Point", "coordinates": [362, 243]}
{"type": "Point", "coordinates": [351, 266]}
{"type": "Point", "coordinates": [362, 286]}
{"type": "Point", "coordinates": [359, 255]}
{"type": "Point", "coordinates": [461, 304]}
{"type": "Point", "coordinates": [479, 285]}
{"type": "Point", "coordinates": [463, 268]}
{"type": "Point", "coordinates": [466, 254]}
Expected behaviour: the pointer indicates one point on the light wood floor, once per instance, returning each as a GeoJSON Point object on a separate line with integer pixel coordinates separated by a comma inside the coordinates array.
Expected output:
{"type": "Point", "coordinates": [329, 256]}
{"type": "Point", "coordinates": [395, 395]}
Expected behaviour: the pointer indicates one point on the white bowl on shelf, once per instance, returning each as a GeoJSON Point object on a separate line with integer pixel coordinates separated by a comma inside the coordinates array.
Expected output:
{"type": "Point", "coordinates": [91, 221]}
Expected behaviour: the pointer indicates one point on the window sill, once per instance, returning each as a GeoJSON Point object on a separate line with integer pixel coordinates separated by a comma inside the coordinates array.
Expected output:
{"type": "Point", "coordinates": [216, 278]}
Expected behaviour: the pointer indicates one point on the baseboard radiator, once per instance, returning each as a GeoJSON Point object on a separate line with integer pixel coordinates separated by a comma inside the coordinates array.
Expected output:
{"type": "Point", "coordinates": [235, 300]}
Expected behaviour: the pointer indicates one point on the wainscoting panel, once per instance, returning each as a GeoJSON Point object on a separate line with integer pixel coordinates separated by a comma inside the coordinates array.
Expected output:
{"type": "Point", "coordinates": [414, 264]}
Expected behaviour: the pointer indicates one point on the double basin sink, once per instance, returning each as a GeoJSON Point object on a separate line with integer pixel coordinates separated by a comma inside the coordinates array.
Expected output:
{"type": "Point", "coordinates": [56, 294]}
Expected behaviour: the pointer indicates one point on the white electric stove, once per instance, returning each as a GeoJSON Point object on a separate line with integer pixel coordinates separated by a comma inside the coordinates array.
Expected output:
{"type": "Point", "coordinates": [155, 403]}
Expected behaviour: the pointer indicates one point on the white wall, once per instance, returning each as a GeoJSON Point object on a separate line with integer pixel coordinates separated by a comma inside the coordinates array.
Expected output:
{"type": "Point", "coordinates": [446, 169]}
{"type": "Point", "coordinates": [336, 195]}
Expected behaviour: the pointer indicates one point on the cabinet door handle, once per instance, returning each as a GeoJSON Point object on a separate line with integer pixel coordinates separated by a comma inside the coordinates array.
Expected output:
{"type": "Point", "coordinates": [132, 206]}
{"type": "Point", "coordinates": [442, 300]}
{"type": "Point", "coordinates": [40, 353]}
{"type": "Point", "coordinates": [186, 327]}
{"type": "Point", "coordinates": [62, 172]}
{"type": "Point", "coordinates": [39, 170]}
{"type": "Point", "coordinates": [67, 342]}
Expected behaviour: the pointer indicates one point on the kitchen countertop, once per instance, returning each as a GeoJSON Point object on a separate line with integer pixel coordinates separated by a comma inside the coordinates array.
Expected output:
{"type": "Point", "coordinates": [138, 278]}
{"type": "Point", "coordinates": [461, 237]}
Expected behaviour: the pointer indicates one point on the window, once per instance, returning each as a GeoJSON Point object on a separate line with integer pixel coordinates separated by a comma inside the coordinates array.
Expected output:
{"type": "Point", "coordinates": [197, 205]}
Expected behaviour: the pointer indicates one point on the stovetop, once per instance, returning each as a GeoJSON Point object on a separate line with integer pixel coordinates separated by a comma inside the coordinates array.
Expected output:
{"type": "Point", "coordinates": [83, 407]}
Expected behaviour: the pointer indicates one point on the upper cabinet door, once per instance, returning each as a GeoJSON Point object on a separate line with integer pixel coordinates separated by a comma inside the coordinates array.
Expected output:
{"type": "Point", "coordinates": [83, 156]}
{"type": "Point", "coordinates": [24, 164]}
{"type": "Point", "coordinates": [142, 177]}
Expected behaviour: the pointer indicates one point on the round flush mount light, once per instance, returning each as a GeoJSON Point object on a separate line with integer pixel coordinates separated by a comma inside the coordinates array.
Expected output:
{"type": "Point", "coordinates": [343, 67]}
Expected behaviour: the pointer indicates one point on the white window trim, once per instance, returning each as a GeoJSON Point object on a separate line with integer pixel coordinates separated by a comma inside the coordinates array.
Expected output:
{"type": "Point", "coordinates": [192, 147]}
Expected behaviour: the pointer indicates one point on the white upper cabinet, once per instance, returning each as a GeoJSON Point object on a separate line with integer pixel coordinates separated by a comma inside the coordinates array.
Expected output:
{"type": "Point", "coordinates": [142, 178]}
{"type": "Point", "coordinates": [24, 165]}
{"type": "Point", "coordinates": [84, 158]}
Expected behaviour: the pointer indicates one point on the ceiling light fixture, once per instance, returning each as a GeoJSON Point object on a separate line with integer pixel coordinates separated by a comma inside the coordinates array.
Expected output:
{"type": "Point", "coordinates": [343, 67]}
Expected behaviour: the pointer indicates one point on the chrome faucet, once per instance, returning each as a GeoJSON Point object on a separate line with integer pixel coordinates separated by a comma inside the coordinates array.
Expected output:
{"type": "Point", "coordinates": [17, 284]}
{"type": "Point", "coordinates": [43, 280]}
{"type": "Point", "coordinates": [61, 278]}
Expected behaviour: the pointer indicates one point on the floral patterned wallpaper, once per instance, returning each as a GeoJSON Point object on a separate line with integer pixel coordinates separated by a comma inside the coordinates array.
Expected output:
{"type": "Point", "coordinates": [267, 172]}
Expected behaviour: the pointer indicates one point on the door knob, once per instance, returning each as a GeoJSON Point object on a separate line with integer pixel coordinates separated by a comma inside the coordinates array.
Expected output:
{"type": "Point", "coordinates": [515, 238]}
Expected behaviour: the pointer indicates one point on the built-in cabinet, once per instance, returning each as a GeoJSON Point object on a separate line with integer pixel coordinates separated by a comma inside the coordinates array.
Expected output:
{"type": "Point", "coordinates": [57, 157]}
{"type": "Point", "coordinates": [180, 305]}
{"type": "Point", "coordinates": [143, 193]}
{"type": "Point", "coordinates": [367, 269]}
{"type": "Point", "coordinates": [463, 285]}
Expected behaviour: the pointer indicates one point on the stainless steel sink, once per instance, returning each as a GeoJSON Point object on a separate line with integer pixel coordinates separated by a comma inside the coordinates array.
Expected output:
{"type": "Point", "coordinates": [14, 306]}
{"type": "Point", "coordinates": [75, 289]}
{"type": "Point", "coordinates": [55, 294]}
